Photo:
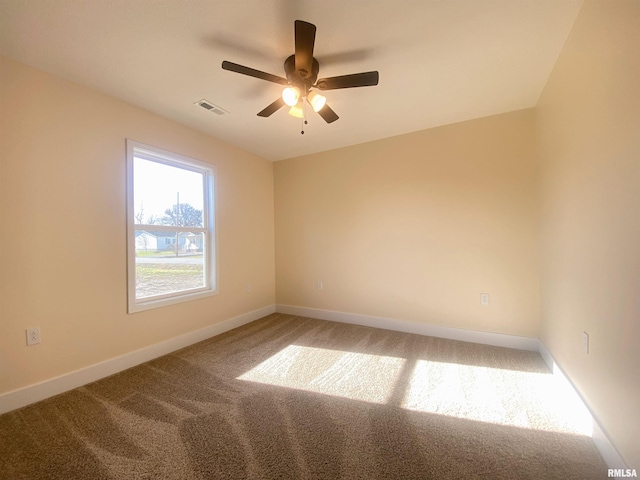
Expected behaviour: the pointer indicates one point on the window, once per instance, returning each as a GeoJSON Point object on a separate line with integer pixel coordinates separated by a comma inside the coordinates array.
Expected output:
{"type": "Point", "coordinates": [171, 235]}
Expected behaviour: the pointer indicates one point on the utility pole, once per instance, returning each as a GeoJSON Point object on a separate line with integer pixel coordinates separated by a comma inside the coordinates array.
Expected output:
{"type": "Point", "coordinates": [177, 222]}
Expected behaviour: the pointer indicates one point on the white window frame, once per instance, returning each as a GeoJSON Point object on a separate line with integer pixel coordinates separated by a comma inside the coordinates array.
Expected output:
{"type": "Point", "coordinates": [154, 154]}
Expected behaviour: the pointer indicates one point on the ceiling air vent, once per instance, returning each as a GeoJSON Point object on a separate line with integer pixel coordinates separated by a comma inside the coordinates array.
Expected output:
{"type": "Point", "coordinates": [207, 105]}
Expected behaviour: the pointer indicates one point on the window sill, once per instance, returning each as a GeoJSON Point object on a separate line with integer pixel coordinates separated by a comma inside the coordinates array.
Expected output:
{"type": "Point", "coordinates": [141, 305]}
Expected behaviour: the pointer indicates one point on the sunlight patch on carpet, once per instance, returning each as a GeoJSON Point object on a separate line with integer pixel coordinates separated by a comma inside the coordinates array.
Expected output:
{"type": "Point", "coordinates": [530, 400]}
{"type": "Point", "coordinates": [352, 375]}
{"type": "Point", "coordinates": [505, 397]}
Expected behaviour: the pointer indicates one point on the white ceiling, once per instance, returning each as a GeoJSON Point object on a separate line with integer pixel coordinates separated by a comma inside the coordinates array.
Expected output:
{"type": "Point", "coordinates": [440, 61]}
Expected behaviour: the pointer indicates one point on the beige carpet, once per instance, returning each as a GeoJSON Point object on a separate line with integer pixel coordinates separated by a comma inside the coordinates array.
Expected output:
{"type": "Point", "coordinates": [295, 398]}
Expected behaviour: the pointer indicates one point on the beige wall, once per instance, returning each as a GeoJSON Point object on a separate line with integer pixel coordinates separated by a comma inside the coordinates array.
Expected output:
{"type": "Point", "coordinates": [589, 142]}
{"type": "Point", "coordinates": [415, 227]}
{"type": "Point", "coordinates": [63, 227]}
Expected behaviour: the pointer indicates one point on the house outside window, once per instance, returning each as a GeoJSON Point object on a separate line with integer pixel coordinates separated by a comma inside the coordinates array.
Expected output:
{"type": "Point", "coordinates": [171, 228]}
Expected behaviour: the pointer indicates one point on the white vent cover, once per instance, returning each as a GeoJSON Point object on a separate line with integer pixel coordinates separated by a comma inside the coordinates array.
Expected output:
{"type": "Point", "coordinates": [207, 105]}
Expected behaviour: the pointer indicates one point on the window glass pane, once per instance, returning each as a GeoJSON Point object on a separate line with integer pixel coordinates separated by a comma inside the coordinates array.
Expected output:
{"type": "Point", "coordinates": [169, 262]}
{"type": "Point", "coordinates": [167, 195]}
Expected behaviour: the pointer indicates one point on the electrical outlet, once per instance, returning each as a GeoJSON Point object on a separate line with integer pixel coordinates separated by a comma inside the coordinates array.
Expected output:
{"type": "Point", "coordinates": [319, 285]}
{"type": "Point", "coordinates": [484, 299]}
{"type": "Point", "coordinates": [585, 342]}
{"type": "Point", "coordinates": [249, 288]}
{"type": "Point", "coordinates": [33, 335]}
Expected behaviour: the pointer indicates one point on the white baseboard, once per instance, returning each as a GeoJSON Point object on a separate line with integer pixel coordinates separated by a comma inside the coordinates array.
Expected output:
{"type": "Point", "coordinates": [486, 338]}
{"type": "Point", "coordinates": [610, 455]}
{"type": "Point", "coordinates": [54, 386]}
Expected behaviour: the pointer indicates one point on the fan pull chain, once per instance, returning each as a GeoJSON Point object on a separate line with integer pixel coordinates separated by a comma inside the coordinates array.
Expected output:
{"type": "Point", "coordinates": [304, 117]}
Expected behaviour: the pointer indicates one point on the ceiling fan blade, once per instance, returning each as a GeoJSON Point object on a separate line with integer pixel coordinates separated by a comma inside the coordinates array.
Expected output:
{"type": "Point", "coordinates": [272, 108]}
{"type": "Point", "coordinates": [365, 79]}
{"type": "Point", "coordinates": [252, 72]}
{"type": "Point", "coordinates": [329, 115]}
{"type": "Point", "coordinates": [305, 37]}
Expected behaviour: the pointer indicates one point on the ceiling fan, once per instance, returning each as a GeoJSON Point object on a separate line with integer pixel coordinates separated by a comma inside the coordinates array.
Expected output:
{"type": "Point", "coordinates": [301, 70]}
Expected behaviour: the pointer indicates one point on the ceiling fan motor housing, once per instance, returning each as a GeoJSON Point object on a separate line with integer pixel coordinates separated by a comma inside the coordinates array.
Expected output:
{"type": "Point", "coordinates": [301, 78]}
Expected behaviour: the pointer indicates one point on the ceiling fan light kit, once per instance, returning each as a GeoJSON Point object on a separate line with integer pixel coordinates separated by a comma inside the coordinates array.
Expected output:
{"type": "Point", "coordinates": [297, 110]}
{"type": "Point", "coordinates": [291, 95]}
{"type": "Point", "coordinates": [316, 100]}
{"type": "Point", "coordinates": [301, 71]}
